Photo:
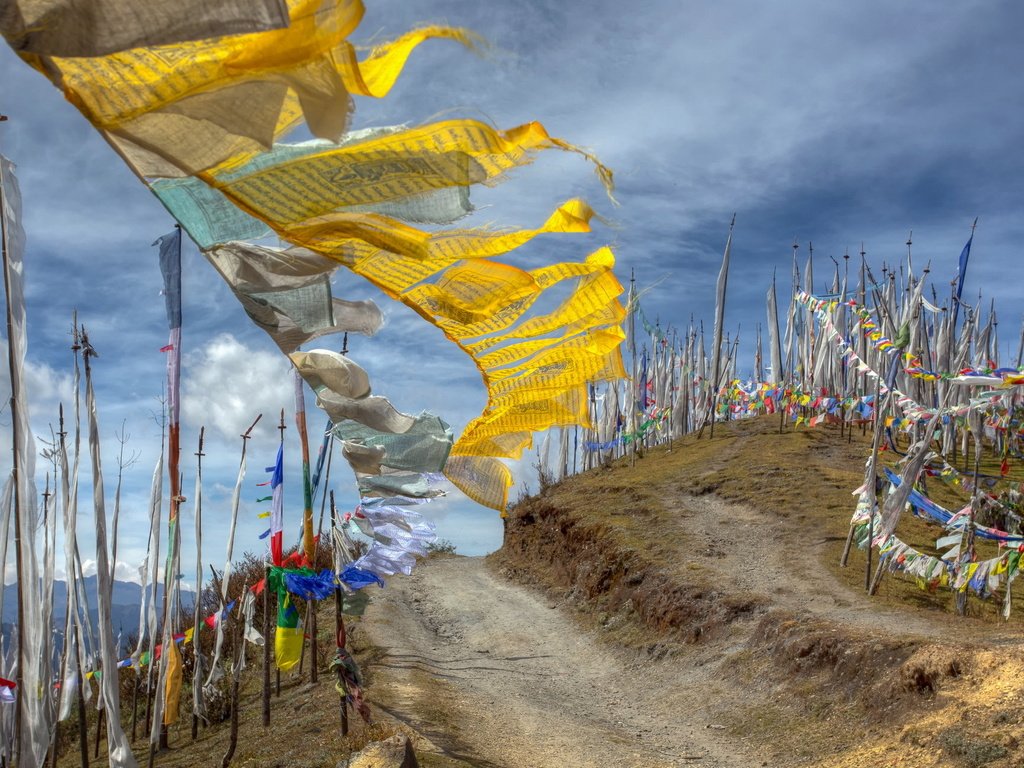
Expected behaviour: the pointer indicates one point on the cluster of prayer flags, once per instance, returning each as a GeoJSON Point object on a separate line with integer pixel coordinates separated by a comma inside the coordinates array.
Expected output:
{"type": "Point", "coordinates": [198, 105]}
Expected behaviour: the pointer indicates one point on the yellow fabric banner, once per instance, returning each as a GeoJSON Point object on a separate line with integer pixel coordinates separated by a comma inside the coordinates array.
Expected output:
{"type": "Point", "coordinates": [374, 75]}
{"type": "Point", "coordinates": [99, 27]}
{"type": "Point", "coordinates": [492, 433]}
{"type": "Point", "coordinates": [389, 167]}
{"type": "Point", "coordinates": [596, 297]}
{"type": "Point", "coordinates": [524, 288]}
{"type": "Point", "coordinates": [412, 255]}
{"type": "Point", "coordinates": [111, 90]}
{"type": "Point", "coordinates": [214, 108]}
{"type": "Point", "coordinates": [172, 688]}
{"type": "Point", "coordinates": [287, 647]}
{"type": "Point", "coordinates": [181, 108]}
{"type": "Point", "coordinates": [484, 480]}
{"type": "Point", "coordinates": [613, 314]}
{"type": "Point", "coordinates": [557, 362]}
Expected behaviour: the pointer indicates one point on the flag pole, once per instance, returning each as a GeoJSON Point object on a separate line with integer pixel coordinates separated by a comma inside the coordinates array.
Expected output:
{"type": "Point", "coordinates": [632, 381]}
{"type": "Point", "coordinates": [198, 704]}
{"type": "Point", "coordinates": [723, 281]}
{"type": "Point", "coordinates": [16, 437]}
{"type": "Point", "coordinates": [277, 688]}
{"type": "Point", "coordinates": [339, 619]}
{"type": "Point", "coordinates": [170, 267]}
{"type": "Point", "coordinates": [308, 545]}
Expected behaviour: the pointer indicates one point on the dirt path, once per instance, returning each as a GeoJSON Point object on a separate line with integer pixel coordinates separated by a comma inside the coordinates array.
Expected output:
{"type": "Point", "coordinates": [497, 674]}
{"type": "Point", "coordinates": [523, 685]}
{"type": "Point", "coordinates": [764, 561]}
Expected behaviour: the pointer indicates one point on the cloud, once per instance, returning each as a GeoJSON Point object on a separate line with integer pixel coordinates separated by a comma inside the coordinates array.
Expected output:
{"type": "Point", "coordinates": [228, 384]}
{"type": "Point", "coordinates": [837, 124]}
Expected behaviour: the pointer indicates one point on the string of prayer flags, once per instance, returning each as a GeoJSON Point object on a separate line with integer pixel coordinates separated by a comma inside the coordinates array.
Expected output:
{"type": "Point", "coordinates": [200, 119]}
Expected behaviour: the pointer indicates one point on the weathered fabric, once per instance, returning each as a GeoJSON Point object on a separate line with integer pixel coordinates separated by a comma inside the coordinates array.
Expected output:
{"type": "Point", "coordinates": [288, 294]}
{"type": "Point", "coordinates": [424, 447]}
{"type": "Point", "coordinates": [118, 746]}
{"type": "Point", "coordinates": [99, 27]}
{"type": "Point", "coordinates": [36, 712]}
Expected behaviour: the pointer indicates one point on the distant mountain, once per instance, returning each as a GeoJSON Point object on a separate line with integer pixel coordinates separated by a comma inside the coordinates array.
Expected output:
{"type": "Point", "coordinates": [124, 609]}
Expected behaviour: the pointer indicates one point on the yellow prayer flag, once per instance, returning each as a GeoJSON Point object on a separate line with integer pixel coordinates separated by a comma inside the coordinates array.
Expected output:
{"type": "Point", "coordinates": [374, 75]}
{"type": "Point", "coordinates": [485, 480]}
{"type": "Point", "coordinates": [287, 647]}
{"type": "Point", "coordinates": [172, 689]}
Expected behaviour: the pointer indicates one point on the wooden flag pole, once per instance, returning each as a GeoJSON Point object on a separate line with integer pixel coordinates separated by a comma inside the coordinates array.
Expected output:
{"type": "Point", "coordinates": [308, 540]}
{"type": "Point", "coordinates": [236, 674]}
{"type": "Point", "coordinates": [196, 622]}
{"type": "Point", "coordinates": [266, 649]}
{"type": "Point", "coordinates": [632, 402]}
{"type": "Point", "coordinates": [967, 553]}
{"type": "Point", "coordinates": [19, 502]}
{"type": "Point", "coordinates": [83, 736]}
{"type": "Point", "coordinates": [339, 621]}
{"type": "Point", "coordinates": [723, 281]}
{"type": "Point", "coordinates": [875, 446]}
{"type": "Point", "coordinates": [277, 689]}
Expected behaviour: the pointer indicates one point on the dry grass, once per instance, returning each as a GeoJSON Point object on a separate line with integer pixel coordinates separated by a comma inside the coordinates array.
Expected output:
{"type": "Point", "coordinates": [304, 728]}
{"type": "Point", "coordinates": [806, 475]}
{"type": "Point", "coordinates": [616, 541]}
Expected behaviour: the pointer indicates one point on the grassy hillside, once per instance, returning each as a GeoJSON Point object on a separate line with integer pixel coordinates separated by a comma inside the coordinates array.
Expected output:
{"type": "Point", "coordinates": [733, 543]}
{"type": "Point", "coordinates": [723, 549]}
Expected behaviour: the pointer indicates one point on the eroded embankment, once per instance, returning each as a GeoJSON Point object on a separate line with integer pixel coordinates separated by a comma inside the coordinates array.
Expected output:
{"type": "Point", "coordinates": [806, 666]}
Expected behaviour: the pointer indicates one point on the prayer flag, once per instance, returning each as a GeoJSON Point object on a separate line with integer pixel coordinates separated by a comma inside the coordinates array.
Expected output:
{"type": "Point", "coordinates": [961, 273]}
{"type": "Point", "coordinates": [98, 27]}
{"type": "Point", "coordinates": [288, 637]}
{"type": "Point", "coordinates": [277, 509]}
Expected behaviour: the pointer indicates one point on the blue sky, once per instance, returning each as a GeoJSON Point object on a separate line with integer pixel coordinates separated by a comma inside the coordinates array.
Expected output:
{"type": "Point", "coordinates": [825, 122]}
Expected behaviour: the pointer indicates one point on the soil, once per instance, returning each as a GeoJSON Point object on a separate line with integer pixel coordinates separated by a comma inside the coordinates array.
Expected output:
{"type": "Point", "coordinates": [655, 616]}
{"type": "Point", "coordinates": [525, 685]}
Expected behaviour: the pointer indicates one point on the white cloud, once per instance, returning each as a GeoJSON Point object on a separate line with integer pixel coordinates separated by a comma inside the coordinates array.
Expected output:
{"type": "Point", "coordinates": [228, 384]}
{"type": "Point", "coordinates": [836, 123]}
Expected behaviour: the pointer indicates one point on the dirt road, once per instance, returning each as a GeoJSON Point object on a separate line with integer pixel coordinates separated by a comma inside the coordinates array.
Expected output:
{"type": "Point", "coordinates": [497, 675]}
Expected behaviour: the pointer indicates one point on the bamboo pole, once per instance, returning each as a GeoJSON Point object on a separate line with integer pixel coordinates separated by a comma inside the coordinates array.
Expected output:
{"type": "Point", "coordinates": [967, 554]}
{"type": "Point", "coordinates": [323, 498]}
{"type": "Point", "coordinates": [869, 476]}
{"type": "Point", "coordinates": [277, 672]}
{"type": "Point", "coordinates": [236, 670]}
{"type": "Point", "coordinates": [83, 734]}
{"type": "Point", "coordinates": [266, 650]}
{"type": "Point", "coordinates": [173, 530]}
{"type": "Point", "coordinates": [153, 587]}
{"type": "Point", "coordinates": [62, 435]}
{"type": "Point", "coordinates": [871, 536]}
{"type": "Point", "coordinates": [632, 401]}
{"type": "Point", "coordinates": [196, 622]}
{"type": "Point", "coordinates": [308, 541]}
{"type": "Point", "coordinates": [339, 622]}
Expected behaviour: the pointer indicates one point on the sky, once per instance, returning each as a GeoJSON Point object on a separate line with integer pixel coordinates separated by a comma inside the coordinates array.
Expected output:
{"type": "Point", "coordinates": [849, 125]}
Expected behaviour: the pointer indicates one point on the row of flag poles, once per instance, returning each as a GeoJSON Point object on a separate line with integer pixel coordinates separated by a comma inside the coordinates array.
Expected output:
{"type": "Point", "coordinates": [198, 100]}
